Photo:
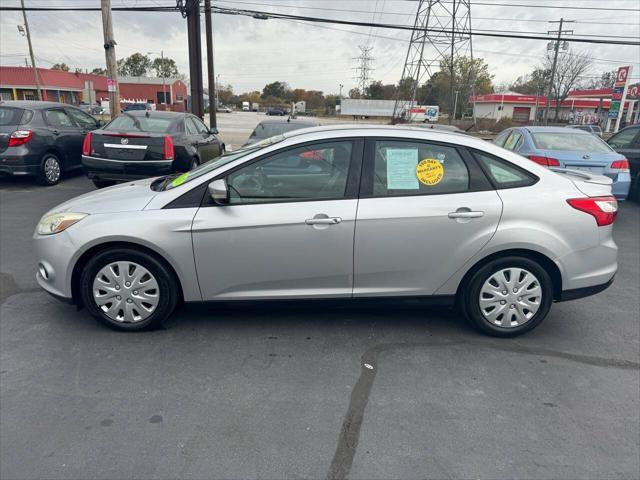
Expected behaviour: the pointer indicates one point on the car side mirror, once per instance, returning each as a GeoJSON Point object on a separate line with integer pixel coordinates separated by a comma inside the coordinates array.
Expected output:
{"type": "Point", "coordinates": [214, 131]}
{"type": "Point", "coordinates": [219, 192]}
{"type": "Point", "coordinates": [101, 123]}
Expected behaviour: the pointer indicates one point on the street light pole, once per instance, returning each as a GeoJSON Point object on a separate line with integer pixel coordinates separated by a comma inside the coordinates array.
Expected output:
{"type": "Point", "coordinates": [33, 60]}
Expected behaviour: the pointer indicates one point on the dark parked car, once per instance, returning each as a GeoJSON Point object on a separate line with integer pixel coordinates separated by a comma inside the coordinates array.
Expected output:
{"type": "Point", "coordinates": [139, 144]}
{"type": "Point", "coordinates": [270, 127]}
{"type": "Point", "coordinates": [627, 142]}
{"type": "Point", "coordinates": [42, 139]}
{"type": "Point", "coordinates": [281, 112]}
{"type": "Point", "coordinates": [137, 106]}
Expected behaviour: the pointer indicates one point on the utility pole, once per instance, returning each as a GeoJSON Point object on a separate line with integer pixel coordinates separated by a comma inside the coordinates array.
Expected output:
{"type": "Point", "coordinates": [556, 49]}
{"type": "Point", "coordinates": [110, 54]}
{"type": "Point", "coordinates": [191, 11]}
{"type": "Point", "coordinates": [33, 59]}
{"type": "Point", "coordinates": [213, 123]}
{"type": "Point", "coordinates": [452, 77]}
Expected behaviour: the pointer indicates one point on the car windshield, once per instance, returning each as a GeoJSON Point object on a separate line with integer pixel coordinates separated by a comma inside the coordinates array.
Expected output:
{"type": "Point", "coordinates": [135, 123]}
{"type": "Point", "coordinates": [266, 130]}
{"type": "Point", "coordinates": [173, 181]}
{"type": "Point", "coordinates": [570, 141]}
{"type": "Point", "coordinates": [10, 116]}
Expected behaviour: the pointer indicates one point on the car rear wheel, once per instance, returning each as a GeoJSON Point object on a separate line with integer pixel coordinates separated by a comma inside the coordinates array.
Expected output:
{"type": "Point", "coordinates": [507, 297]}
{"type": "Point", "coordinates": [103, 183]}
{"type": "Point", "coordinates": [128, 290]}
{"type": "Point", "coordinates": [50, 170]}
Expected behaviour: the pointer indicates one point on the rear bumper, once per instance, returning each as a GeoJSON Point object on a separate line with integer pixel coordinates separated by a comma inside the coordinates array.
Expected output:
{"type": "Point", "coordinates": [18, 161]}
{"type": "Point", "coordinates": [584, 291]}
{"type": "Point", "coordinates": [107, 169]}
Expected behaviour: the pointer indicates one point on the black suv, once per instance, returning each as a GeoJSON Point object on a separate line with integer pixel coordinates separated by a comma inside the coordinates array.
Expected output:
{"type": "Point", "coordinates": [42, 139]}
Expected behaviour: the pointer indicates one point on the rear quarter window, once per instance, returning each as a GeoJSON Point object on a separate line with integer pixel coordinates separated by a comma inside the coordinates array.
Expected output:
{"type": "Point", "coordinates": [11, 116]}
{"type": "Point", "coordinates": [503, 174]}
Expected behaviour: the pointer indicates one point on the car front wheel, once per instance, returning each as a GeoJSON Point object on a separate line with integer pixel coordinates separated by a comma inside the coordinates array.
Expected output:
{"type": "Point", "coordinates": [507, 297]}
{"type": "Point", "coordinates": [128, 290]}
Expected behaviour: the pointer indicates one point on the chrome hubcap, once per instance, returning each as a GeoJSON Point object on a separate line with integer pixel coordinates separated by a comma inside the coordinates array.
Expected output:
{"type": "Point", "coordinates": [510, 297]}
{"type": "Point", "coordinates": [52, 169]}
{"type": "Point", "coordinates": [126, 292]}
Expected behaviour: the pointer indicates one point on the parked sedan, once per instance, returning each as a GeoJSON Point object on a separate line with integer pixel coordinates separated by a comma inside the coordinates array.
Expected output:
{"type": "Point", "coordinates": [270, 127]}
{"type": "Point", "coordinates": [627, 143]}
{"type": "Point", "coordinates": [338, 212]}
{"type": "Point", "coordinates": [139, 144]}
{"type": "Point", "coordinates": [42, 139]}
{"type": "Point", "coordinates": [276, 111]}
{"type": "Point", "coordinates": [569, 148]}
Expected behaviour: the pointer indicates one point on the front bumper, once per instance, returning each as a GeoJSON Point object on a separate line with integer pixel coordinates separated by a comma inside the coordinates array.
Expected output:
{"type": "Point", "coordinates": [122, 170]}
{"type": "Point", "coordinates": [54, 256]}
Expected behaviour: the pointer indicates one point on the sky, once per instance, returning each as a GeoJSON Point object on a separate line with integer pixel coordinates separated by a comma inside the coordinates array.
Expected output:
{"type": "Point", "coordinates": [250, 53]}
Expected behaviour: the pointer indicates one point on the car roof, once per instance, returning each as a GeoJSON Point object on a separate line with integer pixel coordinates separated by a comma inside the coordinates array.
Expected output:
{"type": "Point", "coordinates": [368, 130]}
{"type": "Point", "coordinates": [537, 129]}
{"type": "Point", "coordinates": [156, 113]}
{"type": "Point", "coordinates": [33, 104]}
{"type": "Point", "coordinates": [294, 121]}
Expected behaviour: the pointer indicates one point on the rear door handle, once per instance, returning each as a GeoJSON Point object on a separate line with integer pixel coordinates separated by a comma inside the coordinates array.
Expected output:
{"type": "Point", "coordinates": [55, 132]}
{"type": "Point", "coordinates": [323, 221]}
{"type": "Point", "coordinates": [466, 214]}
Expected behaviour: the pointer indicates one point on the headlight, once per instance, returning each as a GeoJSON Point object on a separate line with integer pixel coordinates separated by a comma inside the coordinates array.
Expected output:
{"type": "Point", "coordinates": [58, 222]}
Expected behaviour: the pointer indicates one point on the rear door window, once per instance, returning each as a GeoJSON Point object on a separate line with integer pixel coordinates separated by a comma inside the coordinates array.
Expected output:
{"type": "Point", "coordinates": [82, 119]}
{"type": "Point", "coordinates": [58, 118]}
{"type": "Point", "coordinates": [624, 138]}
{"type": "Point", "coordinates": [404, 168]}
{"type": "Point", "coordinates": [514, 141]}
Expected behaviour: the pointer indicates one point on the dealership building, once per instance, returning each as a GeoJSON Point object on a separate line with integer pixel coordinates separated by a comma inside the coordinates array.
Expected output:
{"type": "Point", "coordinates": [17, 83]}
{"type": "Point", "coordinates": [581, 106]}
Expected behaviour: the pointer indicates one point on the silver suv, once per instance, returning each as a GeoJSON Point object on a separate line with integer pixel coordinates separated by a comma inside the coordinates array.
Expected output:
{"type": "Point", "coordinates": [338, 212]}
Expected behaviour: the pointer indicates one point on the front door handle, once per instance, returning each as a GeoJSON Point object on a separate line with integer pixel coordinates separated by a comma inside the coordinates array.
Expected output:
{"type": "Point", "coordinates": [55, 132]}
{"type": "Point", "coordinates": [323, 221]}
{"type": "Point", "coordinates": [460, 213]}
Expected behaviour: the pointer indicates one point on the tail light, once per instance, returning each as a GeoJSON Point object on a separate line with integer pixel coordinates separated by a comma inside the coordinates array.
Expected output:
{"type": "Point", "coordinates": [621, 165]}
{"type": "Point", "coordinates": [168, 148]}
{"type": "Point", "coordinates": [86, 145]}
{"type": "Point", "coordinates": [544, 161]}
{"type": "Point", "coordinates": [603, 209]}
{"type": "Point", "coordinates": [20, 137]}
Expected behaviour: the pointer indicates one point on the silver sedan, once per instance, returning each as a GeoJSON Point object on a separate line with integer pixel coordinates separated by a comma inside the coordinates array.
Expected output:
{"type": "Point", "coordinates": [338, 212]}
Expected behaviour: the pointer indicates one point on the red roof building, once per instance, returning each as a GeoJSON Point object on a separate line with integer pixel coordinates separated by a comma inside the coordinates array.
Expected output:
{"type": "Point", "coordinates": [17, 83]}
{"type": "Point", "coordinates": [581, 106]}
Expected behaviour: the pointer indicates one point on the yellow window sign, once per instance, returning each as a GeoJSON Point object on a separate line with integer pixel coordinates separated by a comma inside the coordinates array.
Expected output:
{"type": "Point", "coordinates": [430, 171]}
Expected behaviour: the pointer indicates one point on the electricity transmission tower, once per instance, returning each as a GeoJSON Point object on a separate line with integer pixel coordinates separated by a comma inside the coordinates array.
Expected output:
{"type": "Point", "coordinates": [441, 32]}
{"type": "Point", "coordinates": [365, 60]}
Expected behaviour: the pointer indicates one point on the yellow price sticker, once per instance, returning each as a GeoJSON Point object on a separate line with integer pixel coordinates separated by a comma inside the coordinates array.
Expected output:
{"type": "Point", "coordinates": [429, 171]}
{"type": "Point", "coordinates": [180, 180]}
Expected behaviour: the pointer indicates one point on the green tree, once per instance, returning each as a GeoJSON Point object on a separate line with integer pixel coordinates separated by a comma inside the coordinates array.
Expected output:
{"type": "Point", "coordinates": [375, 91]}
{"type": "Point", "coordinates": [99, 71]}
{"type": "Point", "coordinates": [165, 67]}
{"type": "Point", "coordinates": [354, 93]}
{"type": "Point", "coordinates": [534, 83]}
{"type": "Point", "coordinates": [466, 74]}
{"type": "Point", "coordinates": [60, 66]}
{"type": "Point", "coordinates": [136, 65]}
{"type": "Point", "coordinates": [275, 89]}
{"type": "Point", "coordinates": [225, 94]}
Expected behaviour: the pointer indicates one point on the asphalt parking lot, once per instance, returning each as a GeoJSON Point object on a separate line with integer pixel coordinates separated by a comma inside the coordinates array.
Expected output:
{"type": "Point", "coordinates": [285, 390]}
